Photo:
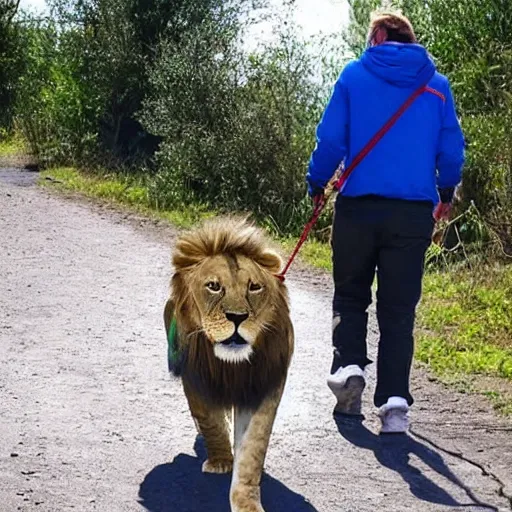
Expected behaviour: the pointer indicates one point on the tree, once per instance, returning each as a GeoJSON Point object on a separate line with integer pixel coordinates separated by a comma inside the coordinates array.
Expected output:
{"type": "Point", "coordinates": [121, 41]}
{"type": "Point", "coordinates": [11, 63]}
{"type": "Point", "coordinates": [237, 130]}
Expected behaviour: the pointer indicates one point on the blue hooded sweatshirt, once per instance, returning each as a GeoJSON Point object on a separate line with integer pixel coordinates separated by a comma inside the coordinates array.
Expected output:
{"type": "Point", "coordinates": [421, 154]}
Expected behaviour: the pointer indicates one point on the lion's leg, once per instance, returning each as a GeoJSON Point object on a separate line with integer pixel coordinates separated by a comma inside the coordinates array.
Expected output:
{"type": "Point", "coordinates": [212, 424]}
{"type": "Point", "coordinates": [252, 435]}
{"type": "Point", "coordinates": [241, 420]}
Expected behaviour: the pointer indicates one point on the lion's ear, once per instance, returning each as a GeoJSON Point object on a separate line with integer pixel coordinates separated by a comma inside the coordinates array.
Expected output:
{"type": "Point", "coordinates": [271, 261]}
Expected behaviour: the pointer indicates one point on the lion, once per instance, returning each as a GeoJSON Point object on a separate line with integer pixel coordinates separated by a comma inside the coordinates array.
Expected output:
{"type": "Point", "coordinates": [231, 341]}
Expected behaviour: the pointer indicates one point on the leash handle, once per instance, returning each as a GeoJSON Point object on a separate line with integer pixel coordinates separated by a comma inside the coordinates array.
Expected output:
{"type": "Point", "coordinates": [340, 182]}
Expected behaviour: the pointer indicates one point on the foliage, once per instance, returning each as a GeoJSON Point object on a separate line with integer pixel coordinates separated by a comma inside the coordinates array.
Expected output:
{"type": "Point", "coordinates": [237, 132]}
{"type": "Point", "coordinates": [11, 145]}
{"type": "Point", "coordinates": [167, 87]}
{"type": "Point", "coordinates": [466, 330]}
{"type": "Point", "coordinates": [56, 111]}
{"type": "Point", "coordinates": [122, 190]}
{"type": "Point", "coordinates": [11, 62]}
{"type": "Point", "coordinates": [120, 44]}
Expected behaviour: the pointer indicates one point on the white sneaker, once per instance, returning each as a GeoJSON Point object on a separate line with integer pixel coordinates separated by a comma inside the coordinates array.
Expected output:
{"type": "Point", "coordinates": [394, 416]}
{"type": "Point", "coordinates": [348, 385]}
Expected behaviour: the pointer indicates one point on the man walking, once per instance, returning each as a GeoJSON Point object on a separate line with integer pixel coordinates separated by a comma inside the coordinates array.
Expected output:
{"type": "Point", "coordinates": [384, 215]}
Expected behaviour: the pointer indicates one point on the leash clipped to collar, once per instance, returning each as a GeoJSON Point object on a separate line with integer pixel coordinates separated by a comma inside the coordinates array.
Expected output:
{"type": "Point", "coordinates": [336, 184]}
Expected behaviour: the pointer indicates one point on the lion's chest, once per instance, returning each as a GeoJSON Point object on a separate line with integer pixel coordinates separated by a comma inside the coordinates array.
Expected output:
{"type": "Point", "coordinates": [244, 384]}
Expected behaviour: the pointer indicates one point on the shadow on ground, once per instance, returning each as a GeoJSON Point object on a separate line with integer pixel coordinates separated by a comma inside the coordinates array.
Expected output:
{"type": "Point", "coordinates": [180, 486]}
{"type": "Point", "coordinates": [20, 177]}
{"type": "Point", "coordinates": [394, 452]}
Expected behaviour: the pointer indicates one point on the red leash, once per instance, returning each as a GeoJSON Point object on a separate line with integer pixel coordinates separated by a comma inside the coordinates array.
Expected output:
{"type": "Point", "coordinates": [338, 184]}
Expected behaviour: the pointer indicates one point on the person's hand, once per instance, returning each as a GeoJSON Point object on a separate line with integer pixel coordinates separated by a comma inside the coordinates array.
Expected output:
{"type": "Point", "coordinates": [444, 208]}
{"type": "Point", "coordinates": [315, 190]}
{"type": "Point", "coordinates": [443, 212]}
{"type": "Point", "coordinates": [318, 199]}
{"type": "Point", "coordinates": [316, 193]}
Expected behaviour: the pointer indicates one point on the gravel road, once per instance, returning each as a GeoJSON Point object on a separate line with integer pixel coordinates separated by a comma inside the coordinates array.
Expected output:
{"type": "Point", "coordinates": [91, 421]}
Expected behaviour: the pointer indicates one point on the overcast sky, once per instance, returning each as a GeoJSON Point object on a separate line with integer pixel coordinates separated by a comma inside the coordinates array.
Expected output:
{"type": "Point", "coordinates": [314, 16]}
{"type": "Point", "coordinates": [38, 5]}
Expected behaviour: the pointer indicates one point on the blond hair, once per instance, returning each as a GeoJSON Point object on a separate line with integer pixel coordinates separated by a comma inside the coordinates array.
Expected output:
{"type": "Point", "coordinates": [396, 26]}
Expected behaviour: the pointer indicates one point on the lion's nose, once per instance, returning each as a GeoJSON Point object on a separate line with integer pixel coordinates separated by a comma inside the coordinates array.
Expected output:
{"type": "Point", "coordinates": [237, 318]}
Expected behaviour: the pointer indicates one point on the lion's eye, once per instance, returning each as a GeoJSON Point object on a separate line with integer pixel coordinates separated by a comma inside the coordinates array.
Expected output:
{"type": "Point", "coordinates": [255, 287]}
{"type": "Point", "coordinates": [214, 286]}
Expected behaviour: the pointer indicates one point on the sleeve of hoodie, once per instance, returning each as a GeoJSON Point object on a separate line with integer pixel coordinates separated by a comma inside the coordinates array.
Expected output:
{"type": "Point", "coordinates": [450, 151]}
{"type": "Point", "coordinates": [331, 138]}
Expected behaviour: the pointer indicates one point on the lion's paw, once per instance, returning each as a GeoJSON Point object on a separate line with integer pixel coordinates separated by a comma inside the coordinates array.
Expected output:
{"type": "Point", "coordinates": [218, 466]}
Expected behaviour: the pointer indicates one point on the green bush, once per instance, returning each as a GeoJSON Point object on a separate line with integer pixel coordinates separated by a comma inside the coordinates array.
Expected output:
{"type": "Point", "coordinates": [11, 61]}
{"type": "Point", "coordinates": [237, 132]}
{"type": "Point", "coordinates": [55, 110]}
{"type": "Point", "coordinates": [166, 88]}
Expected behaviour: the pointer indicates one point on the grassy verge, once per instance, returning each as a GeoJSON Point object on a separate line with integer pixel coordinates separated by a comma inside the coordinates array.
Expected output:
{"type": "Point", "coordinates": [121, 190]}
{"type": "Point", "coordinates": [465, 331]}
{"type": "Point", "coordinates": [14, 152]}
{"type": "Point", "coordinates": [11, 146]}
{"type": "Point", "coordinates": [464, 321]}
{"type": "Point", "coordinates": [317, 254]}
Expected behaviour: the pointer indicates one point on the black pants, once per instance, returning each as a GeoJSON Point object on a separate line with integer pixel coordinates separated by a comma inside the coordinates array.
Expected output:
{"type": "Point", "coordinates": [388, 237]}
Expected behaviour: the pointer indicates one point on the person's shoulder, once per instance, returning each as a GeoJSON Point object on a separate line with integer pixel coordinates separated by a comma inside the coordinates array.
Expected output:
{"type": "Point", "coordinates": [351, 71]}
{"type": "Point", "coordinates": [440, 82]}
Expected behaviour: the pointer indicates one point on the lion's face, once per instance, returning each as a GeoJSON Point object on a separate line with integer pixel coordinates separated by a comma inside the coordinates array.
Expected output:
{"type": "Point", "coordinates": [228, 318]}
{"type": "Point", "coordinates": [233, 295]}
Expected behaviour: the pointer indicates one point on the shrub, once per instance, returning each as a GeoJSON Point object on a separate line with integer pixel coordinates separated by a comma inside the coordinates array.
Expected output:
{"type": "Point", "coordinates": [237, 132]}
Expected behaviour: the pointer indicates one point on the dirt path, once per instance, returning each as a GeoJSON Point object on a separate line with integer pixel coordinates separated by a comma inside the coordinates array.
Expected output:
{"type": "Point", "coordinates": [91, 421]}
